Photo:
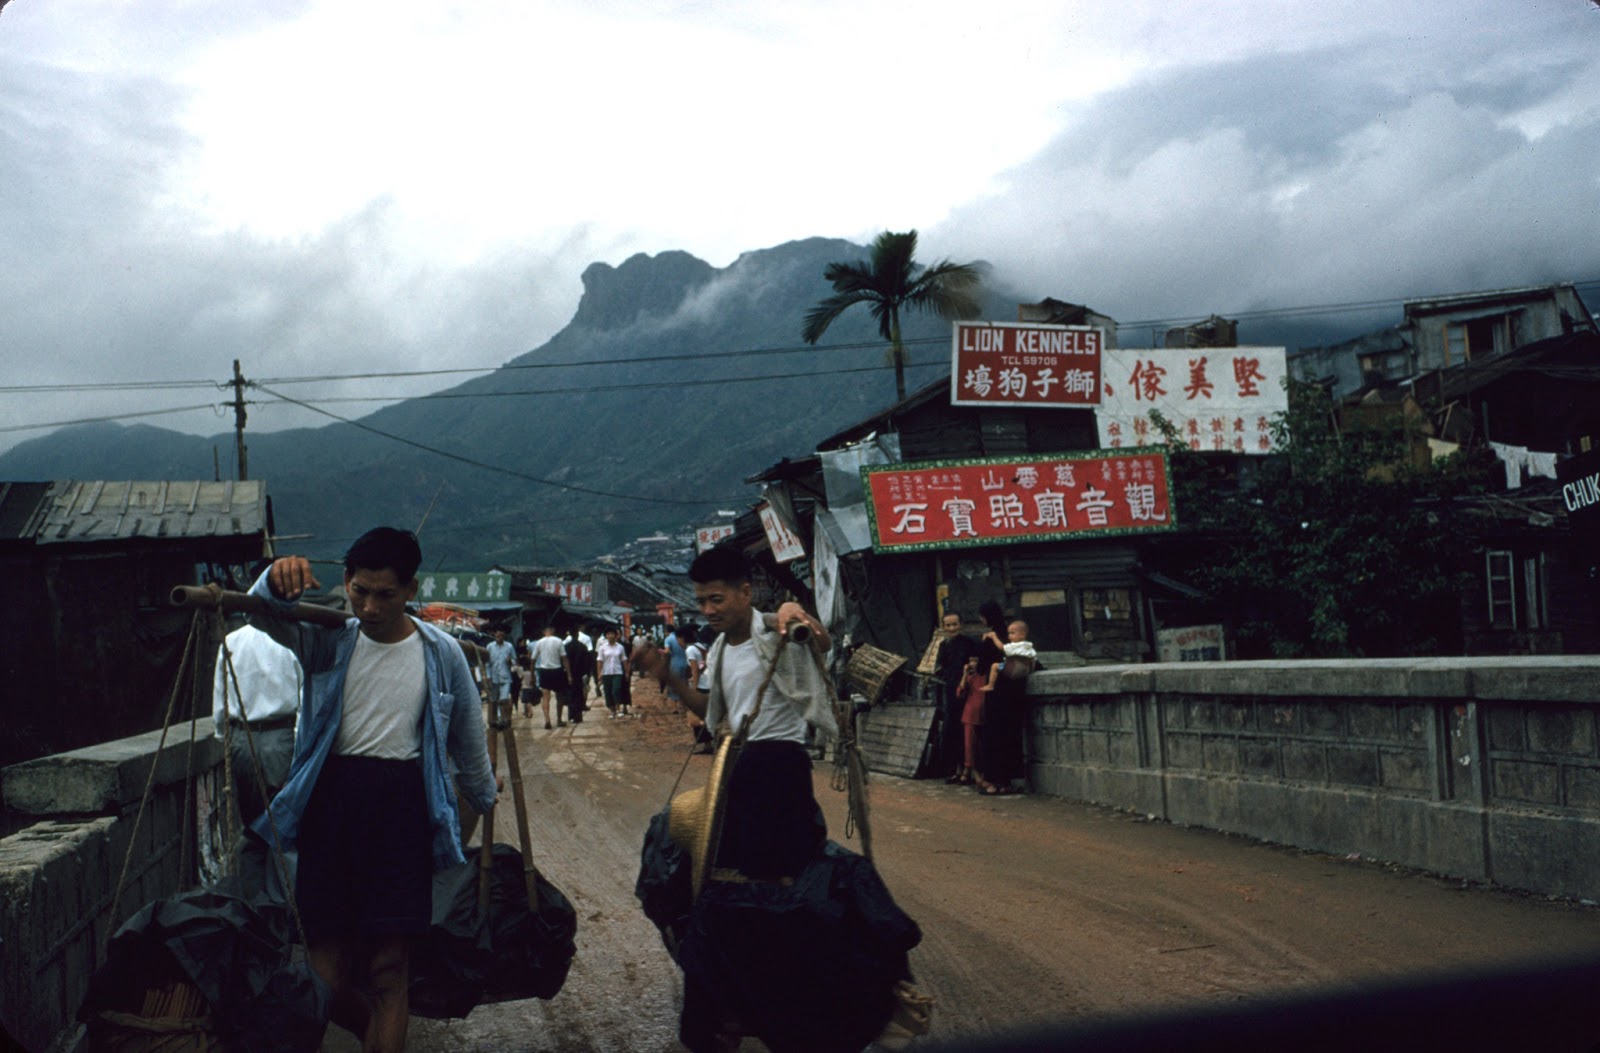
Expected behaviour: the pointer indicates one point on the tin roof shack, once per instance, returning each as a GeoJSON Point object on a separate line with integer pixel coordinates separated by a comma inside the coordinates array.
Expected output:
{"type": "Point", "coordinates": [1529, 590]}
{"type": "Point", "coordinates": [1442, 332]}
{"type": "Point", "coordinates": [92, 643]}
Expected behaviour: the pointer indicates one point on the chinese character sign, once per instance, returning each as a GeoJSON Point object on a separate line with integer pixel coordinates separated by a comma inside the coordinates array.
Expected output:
{"type": "Point", "coordinates": [466, 589]}
{"type": "Point", "coordinates": [786, 546]}
{"type": "Point", "coordinates": [707, 537]}
{"type": "Point", "coordinates": [1220, 399]}
{"type": "Point", "coordinates": [1025, 365]}
{"type": "Point", "coordinates": [576, 591]}
{"type": "Point", "coordinates": [994, 500]}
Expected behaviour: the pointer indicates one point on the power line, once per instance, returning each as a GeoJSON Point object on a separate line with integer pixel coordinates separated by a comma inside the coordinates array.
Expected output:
{"type": "Point", "coordinates": [698, 356]}
{"type": "Point", "coordinates": [588, 388]}
{"type": "Point", "coordinates": [513, 473]}
{"type": "Point", "coordinates": [1268, 312]}
{"type": "Point", "coordinates": [109, 417]}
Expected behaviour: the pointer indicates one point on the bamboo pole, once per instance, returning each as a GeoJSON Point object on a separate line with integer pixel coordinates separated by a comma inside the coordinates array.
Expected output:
{"type": "Point", "coordinates": [214, 597]}
{"type": "Point", "coordinates": [524, 839]}
{"type": "Point", "coordinates": [486, 848]}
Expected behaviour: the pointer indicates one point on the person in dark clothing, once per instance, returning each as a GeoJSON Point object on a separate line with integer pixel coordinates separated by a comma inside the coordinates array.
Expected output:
{"type": "Point", "coordinates": [1001, 739]}
{"type": "Point", "coordinates": [578, 668]}
{"type": "Point", "coordinates": [954, 650]}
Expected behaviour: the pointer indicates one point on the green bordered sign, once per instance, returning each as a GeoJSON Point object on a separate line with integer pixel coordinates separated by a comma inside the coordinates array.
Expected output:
{"type": "Point", "coordinates": [1003, 500]}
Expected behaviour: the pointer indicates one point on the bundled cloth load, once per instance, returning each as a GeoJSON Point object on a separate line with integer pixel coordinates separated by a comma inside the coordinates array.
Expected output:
{"type": "Point", "coordinates": [206, 969]}
{"type": "Point", "coordinates": [466, 959]}
{"type": "Point", "coordinates": [814, 963]}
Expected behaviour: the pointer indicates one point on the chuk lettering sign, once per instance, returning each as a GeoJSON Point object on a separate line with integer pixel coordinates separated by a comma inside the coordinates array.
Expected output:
{"type": "Point", "coordinates": [996, 500]}
{"type": "Point", "coordinates": [999, 363]}
{"type": "Point", "coordinates": [1220, 399]}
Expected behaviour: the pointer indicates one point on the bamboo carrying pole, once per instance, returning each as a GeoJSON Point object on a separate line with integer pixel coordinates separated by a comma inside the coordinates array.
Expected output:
{"type": "Point", "coordinates": [214, 597]}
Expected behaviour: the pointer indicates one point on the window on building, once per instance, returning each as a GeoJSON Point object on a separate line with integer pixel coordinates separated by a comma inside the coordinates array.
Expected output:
{"type": "Point", "coordinates": [1476, 337]}
{"type": "Point", "coordinates": [1502, 589]}
{"type": "Point", "coordinates": [1517, 590]}
{"type": "Point", "coordinates": [1107, 605]}
{"type": "Point", "coordinates": [1533, 592]}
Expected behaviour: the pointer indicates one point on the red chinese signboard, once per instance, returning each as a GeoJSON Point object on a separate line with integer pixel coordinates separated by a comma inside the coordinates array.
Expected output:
{"type": "Point", "coordinates": [998, 500]}
{"type": "Point", "coordinates": [1000, 363]}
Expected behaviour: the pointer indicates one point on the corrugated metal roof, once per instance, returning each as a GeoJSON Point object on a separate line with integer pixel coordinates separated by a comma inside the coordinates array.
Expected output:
{"type": "Point", "coordinates": [102, 510]}
{"type": "Point", "coordinates": [21, 506]}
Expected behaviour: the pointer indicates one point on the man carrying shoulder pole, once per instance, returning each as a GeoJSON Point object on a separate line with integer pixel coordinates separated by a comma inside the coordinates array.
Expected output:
{"type": "Point", "coordinates": [390, 712]}
{"type": "Point", "coordinates": [773, 826]}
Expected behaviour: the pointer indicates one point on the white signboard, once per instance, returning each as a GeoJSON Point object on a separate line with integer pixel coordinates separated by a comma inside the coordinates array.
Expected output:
{"type": "Point", "coordinates": [786, 547]}
{"type": "Point", "coordinates": [576, 591]}
{"type": "Point", "coordinates": [707, 536]}
{"type": "Point", "coordinates": [1219, 398]}
{"type": "Point", "coordinates": [463, 588]}
{"type": "Point", "coordinates": [1196, 643]}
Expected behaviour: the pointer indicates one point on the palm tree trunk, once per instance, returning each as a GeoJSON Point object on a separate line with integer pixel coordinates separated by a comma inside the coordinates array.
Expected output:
{"type": "Point", "coordinates": [897, 350]}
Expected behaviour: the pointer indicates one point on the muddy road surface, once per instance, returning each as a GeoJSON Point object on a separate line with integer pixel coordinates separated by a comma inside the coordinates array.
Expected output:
{"type": "Point", "coordinates": [1034, 910]}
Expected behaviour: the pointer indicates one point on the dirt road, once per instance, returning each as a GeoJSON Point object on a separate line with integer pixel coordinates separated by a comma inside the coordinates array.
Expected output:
{"type": "Point", "coordinates": [1033, 910]}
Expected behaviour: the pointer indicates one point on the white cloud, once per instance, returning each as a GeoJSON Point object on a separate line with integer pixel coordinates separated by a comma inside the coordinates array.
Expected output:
{"type": "Point", "coordinates": [349, 185]}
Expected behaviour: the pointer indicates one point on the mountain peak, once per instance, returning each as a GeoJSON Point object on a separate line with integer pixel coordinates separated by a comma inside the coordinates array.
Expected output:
{"type": "Point", "coordinates": [643, 285]}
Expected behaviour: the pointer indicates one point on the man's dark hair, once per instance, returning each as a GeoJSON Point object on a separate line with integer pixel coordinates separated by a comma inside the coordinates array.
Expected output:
{"type": "Point", "coordinates": [722, 563]}
{"type": "Point", "coordinates": [687, 633]}
{"type": "Point", "coordinates": [385, 548]}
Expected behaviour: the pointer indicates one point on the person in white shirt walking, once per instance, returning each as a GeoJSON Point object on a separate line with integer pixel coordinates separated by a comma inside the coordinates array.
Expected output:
{"type": "Point", "coordinates": [259, 701]}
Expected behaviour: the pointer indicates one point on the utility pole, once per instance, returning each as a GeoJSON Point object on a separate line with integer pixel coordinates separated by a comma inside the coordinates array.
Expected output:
{"type": "Point", "coordinates": [238, 422]}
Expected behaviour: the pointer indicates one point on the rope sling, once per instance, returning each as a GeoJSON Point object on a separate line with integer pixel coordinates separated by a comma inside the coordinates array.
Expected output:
{"type": "Point", "coordinates": [189, 674]}
{"type": "Point", "coordinates": [850, 770]}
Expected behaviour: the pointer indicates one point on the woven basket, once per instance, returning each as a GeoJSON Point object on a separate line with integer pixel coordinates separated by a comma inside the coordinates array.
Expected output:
{"type": "Point", "coordinates": [869, 670]}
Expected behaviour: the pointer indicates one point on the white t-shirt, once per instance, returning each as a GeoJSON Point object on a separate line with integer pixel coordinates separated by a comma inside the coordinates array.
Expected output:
{"type": "Point", "coordinates": [385, 692]}
{"type": "Point", "coordinates": [548, 652]}
{"type": "Point", "coordinates": [741, 673]}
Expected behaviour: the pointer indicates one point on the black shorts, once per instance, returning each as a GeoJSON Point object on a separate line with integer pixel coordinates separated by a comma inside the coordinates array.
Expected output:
{"type": "Point", "coordinates": [553, 679]}
{"type": "Point", "coordinates": [366, 850]}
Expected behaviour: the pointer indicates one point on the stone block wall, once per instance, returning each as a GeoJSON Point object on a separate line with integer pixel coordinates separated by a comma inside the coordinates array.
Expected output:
{"type": "Point", "coordinates": [1483, 768]}
{"type": "Point", "coordinates": [59, 874]}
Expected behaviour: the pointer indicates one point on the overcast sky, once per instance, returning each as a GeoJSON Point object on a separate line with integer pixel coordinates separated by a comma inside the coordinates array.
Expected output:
{"type": "Point", "coordinates": [343, 186]}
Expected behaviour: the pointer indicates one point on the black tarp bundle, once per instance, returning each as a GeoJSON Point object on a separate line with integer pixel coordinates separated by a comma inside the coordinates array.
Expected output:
{"type": "Point", "coordinates": [808, 967]}
{"type": "Point", "coordinates": [665, 884]}
{"type": "Point", "coordinates": [233, 950]}
{"type": "Point", "coordinates": [463, 961]}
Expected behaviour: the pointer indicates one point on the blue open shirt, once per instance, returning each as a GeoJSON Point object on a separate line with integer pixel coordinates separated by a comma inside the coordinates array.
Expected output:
{"type": "Point", "coordinates": [452, 726]}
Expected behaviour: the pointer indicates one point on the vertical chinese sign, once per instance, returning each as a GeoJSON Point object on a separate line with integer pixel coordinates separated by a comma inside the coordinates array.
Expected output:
{"type": "Point", "coordinates": [786, 546]}
{"type": "Point", "coordinates": [1219, 398]}
{"type": "Point", "coordinates": [998, 500]}
{"type": "Point", "coordinates": [1000, 363]}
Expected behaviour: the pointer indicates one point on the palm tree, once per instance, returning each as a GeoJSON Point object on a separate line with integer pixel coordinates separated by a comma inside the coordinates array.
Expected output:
{"type": "Point", "coordinates": [892, 279]}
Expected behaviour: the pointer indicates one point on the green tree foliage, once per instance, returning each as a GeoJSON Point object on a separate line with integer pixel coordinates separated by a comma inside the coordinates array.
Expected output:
{"type": "Point", "coordinates": [892, 280]}
{"type": "Point", "coordinates": [1337, 547]}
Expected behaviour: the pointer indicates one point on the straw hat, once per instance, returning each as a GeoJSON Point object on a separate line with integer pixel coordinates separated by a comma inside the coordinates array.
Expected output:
{"type": "Point", "coordinates": [694, 816]}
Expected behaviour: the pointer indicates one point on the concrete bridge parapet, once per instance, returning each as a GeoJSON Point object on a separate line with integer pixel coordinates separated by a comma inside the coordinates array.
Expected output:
{"type": "Point", "coordinates": [59, 872]}
{"type": "Point", "coordinates": [1478, 768]}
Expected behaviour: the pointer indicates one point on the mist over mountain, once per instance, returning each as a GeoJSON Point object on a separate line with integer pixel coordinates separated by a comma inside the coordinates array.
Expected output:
{"type": "Point", "coordinates": [596, 408]}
